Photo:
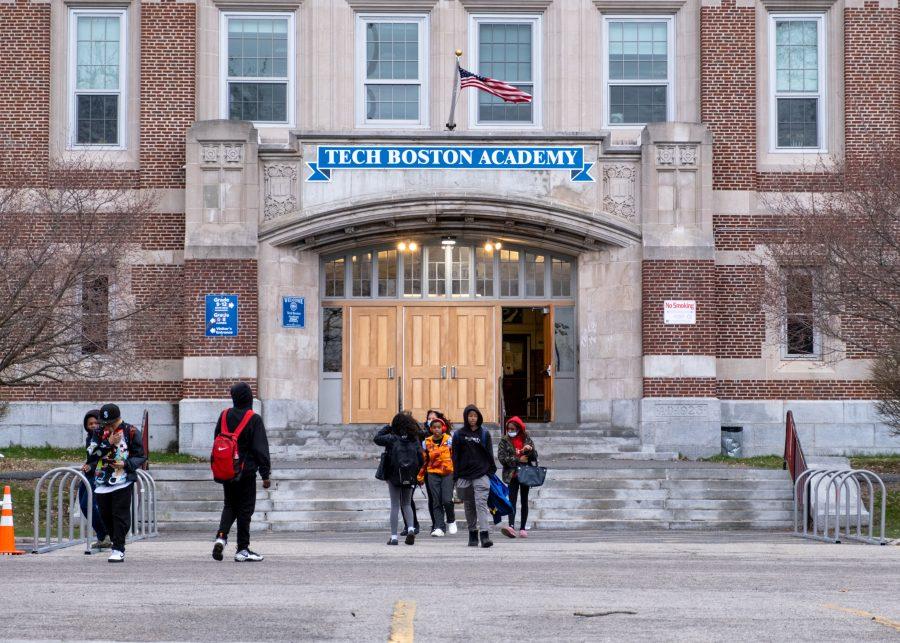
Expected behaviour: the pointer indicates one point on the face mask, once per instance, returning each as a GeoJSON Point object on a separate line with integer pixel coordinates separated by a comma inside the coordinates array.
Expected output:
{"type": "Point", "coordinates": [512, 434]}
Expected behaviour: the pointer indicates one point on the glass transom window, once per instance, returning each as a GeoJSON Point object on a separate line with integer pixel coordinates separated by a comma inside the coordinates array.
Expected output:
{"type": "Point", "coordinates": [797, 79]}
{"type": "Point", "coordinates": [639, 67]}
{"type": "Point", "coordinates": [392, 55]}
{"type": "Point", "coordinates": [507, 50]}
{"type": "Point", "coordinates": [458, 270]}
{"type": "Point", "coordinates": [258, 67]}
{"type": "Point", "coordinates": [97, 43]}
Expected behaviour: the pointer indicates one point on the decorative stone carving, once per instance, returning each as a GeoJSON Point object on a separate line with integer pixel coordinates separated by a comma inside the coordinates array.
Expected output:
{"type": "Point", "coordinates": [233, 153]}
{"type": "Point", "coordinates": [681, 409]}
{"type": "Point", "coordinates": [280, 190]}
{"type": "Point", "coordinates": [687, 154]}
{"type": "Point", "coordinates": [619, 190]}
{"type": "Point", "coordinates": [209, 154]}
{"type": "Point", "coordinates": [665, 155]}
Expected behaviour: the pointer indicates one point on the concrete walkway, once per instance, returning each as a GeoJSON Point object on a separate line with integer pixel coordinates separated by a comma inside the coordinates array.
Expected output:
{"type": "Point", "coordinates": [552, 587]}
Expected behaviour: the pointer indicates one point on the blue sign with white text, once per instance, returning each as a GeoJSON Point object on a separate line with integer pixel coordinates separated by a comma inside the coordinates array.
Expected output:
{"type": "Point", "coordinates": [293, 312]}
{"type": "Point", "coordinates": [448, 157]}
{"type": "Point", "coordinates": [221, 315]}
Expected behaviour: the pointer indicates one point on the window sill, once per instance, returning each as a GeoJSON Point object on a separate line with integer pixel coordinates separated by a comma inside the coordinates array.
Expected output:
{"type": "Point", "coordinates": [118, 158]}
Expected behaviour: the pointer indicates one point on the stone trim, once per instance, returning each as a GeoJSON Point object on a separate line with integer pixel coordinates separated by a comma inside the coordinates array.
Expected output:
{"type": "Point", "coordinates": [404, 6]}
{"type": "Point", "coordinates": [667, 366]}
{"type": "Point", "coordinates": [639, 6]}
{"type": "Point", "coordinates": [517, 6]}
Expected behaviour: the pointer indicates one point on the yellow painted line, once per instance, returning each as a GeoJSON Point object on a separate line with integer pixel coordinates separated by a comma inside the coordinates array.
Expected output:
{"type": "Point", "coordinates": [402, 622]}
{"type": "Point", "coordinates": [881, 620]}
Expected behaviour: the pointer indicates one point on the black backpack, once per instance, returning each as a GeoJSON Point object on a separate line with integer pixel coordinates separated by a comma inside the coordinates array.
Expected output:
{"type": "Point", "coordinates": [404, 459]}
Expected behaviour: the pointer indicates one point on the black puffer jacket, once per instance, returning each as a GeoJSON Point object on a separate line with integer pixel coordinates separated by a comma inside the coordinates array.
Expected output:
{"type": "Point", "coordinates": [386, 438]}
{"type": "Point", "coordinates": [473, 452]}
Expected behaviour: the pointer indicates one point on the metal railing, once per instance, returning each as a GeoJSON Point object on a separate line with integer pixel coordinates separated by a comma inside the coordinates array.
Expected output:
{"type": "Point", "coordinates": [844, 485]}
{"type": "Point", "coordinates": [60, 488]}
{"type": "Point", "coordinates": [501, 403]}
{"type": "Point", "coordinates": [794, 460]}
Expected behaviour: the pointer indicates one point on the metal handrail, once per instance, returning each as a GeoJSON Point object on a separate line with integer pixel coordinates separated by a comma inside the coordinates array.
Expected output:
{"type": "Point", "coordinates": [794, 460]}
{"type": "Point", "coordinates": [501, 417]}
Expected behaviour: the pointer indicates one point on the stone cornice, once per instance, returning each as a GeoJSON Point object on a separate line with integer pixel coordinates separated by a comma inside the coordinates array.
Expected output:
{"type": "Point", "coordinates": [404, 6]}
{"type": "Point", "coordinates": [639, 6]}
{"type": "Point", "coordinates": [518, 6]}
{"type": "Point", "coordinates": [276, 5]}
{"type": "Point", "coordinates": [797, 5]}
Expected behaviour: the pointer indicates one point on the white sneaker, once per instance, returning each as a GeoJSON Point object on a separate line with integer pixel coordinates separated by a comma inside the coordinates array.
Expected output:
{"type": "Point", "coordinates": [451, 528]}
{"type": "Point", "coordinates": [116, 556]}
{"type": "Point", "coordinates": [247, 556]}
{"type": "Point", "coordinates": [438, 533]}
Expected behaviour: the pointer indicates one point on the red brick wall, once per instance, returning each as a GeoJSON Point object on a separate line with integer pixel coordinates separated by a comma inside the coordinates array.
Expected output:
{"type": "Point", "coordinates": [795, 390]}
{"type": "Point", "coordinates": [740, 322]}
{"type": "Point", "coordinates": [161, 286]}
{"type": "Point", "coordinates": [24, 91]}
{"type": "Point", "coordinates": [679, 387]}
{"type": "Point", "coordinates": [728, 92]}
{"type": "Point", "coordinates": [222, 276]}
{"type": "Point", "coordinates": [163, 391]}
{"type": "Point", "coordinates": [678, 279]}
{"type": "Point", "coordinates": [168, 73]}
{"type": "Point", "coordinates": [871, 80]}
{"type": "Point", "coordinates": [205, 389]}
{"type": "Point", "coordinates": [162, 231]}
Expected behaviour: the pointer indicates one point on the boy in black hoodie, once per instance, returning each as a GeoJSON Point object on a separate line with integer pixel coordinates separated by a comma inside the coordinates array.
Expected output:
{"type": "Point", "coordinates": [92, 432]}
{"type": "Point", "coordinates": [473, 461]}
{"type": "Point", "coordinates": [240, 494]}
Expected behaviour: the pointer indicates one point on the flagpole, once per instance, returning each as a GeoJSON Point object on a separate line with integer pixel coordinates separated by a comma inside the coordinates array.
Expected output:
{"type": "Point", "coordinates": [451, 124]}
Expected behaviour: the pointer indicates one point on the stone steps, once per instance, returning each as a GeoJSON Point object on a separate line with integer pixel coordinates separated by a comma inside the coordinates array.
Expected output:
{"type": "Point", "coordinates": [342, 496]}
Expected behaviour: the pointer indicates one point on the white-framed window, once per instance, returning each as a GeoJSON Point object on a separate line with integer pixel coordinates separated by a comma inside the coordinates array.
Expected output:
{"type": "Point", "coordinates": [638, 63]}
{"type": "Point", "coordinates": [97, 78]}
{"type": "Point", "coordinates": [257, 67]}
{"type": "Point", "coordinates": [801, 338]}
{"type": "Point", "coordinates": [797, 82]}
{"type": "Point", "coordinates": [507, 48]}
{"type": "Point", "coordinates": [391, 70]}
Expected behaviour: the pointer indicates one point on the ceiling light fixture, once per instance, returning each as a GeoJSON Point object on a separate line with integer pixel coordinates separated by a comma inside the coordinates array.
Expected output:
{"type": "Point", "coordinates": [448, 241]}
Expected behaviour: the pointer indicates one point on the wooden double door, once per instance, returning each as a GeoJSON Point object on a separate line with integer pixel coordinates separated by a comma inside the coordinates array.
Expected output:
{"type": "Point", "coordinates": [417, 358]}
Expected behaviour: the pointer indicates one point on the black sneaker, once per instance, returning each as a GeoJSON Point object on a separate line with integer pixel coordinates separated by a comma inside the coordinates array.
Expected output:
{"type": "Point", "coordinates": [218, 546]}
{"type": "Point", "coordinates": [486, 539]}
{"type": "Point", "coordinates": [410, 537]}
{"type": "Point", "coordinates": [473, 538]}
{"type": "Point", "coordinates": [392, 541]}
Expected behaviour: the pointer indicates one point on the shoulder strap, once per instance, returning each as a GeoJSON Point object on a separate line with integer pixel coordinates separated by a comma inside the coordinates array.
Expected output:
{"type": "Point", "coordinates": [244, 421]}
{"type": "Point", "coordinates": [224, 423]}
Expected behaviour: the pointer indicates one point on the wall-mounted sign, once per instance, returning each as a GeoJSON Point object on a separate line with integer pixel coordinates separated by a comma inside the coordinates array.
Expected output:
{"type": "Point", "coordinates": [221, 315]}
{"type": "Point", "coordinates": [448, 157]}
{"type": "Point", "coordinates": [680, 311]}
{"type": "Point", "coordinates": [293, 312]}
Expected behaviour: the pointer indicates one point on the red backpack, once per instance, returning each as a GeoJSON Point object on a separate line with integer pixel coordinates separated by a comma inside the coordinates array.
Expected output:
{"type": "Point", "coordinates": [225, 460]}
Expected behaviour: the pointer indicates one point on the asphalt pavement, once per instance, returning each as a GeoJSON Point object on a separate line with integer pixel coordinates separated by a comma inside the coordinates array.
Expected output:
{"type": "Point", "coordinates": [554, 586]}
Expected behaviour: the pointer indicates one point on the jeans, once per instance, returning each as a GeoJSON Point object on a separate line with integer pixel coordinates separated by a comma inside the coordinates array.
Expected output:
{"type": "Point", "coordinates": [514, 489]}
{"type": "Point", "coordinates": [441, 493]}
{"type": "Point", "coordinates": [96, 518]}
{"type": "Point", "coordinates": [240, 503]}
{"type": "Point", "coordinates": [115, 507]}
{"type": "Point", "coordinates": [474, 494]}
{"type": "Point", "coordinates": [401, 500]}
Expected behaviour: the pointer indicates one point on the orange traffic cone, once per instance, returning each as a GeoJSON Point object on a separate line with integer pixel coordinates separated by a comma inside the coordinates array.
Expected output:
{"type": "Point", "coordinates": [7, 531]}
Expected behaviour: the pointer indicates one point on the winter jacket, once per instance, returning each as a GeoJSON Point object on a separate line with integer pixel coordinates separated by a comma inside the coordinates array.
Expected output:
{"type": "Point", "coordinates": [91, 436]}
{"type": "Point", "coordinates": [133, 440]}
{"type": "Point", "coordinates": [386, 438]}
{"type": "Point", "coordinates": [253, 444]}
{"type": "Point", "coordinates": [438, 456]}
{"type": "Point", "coordinates": [473, 453]}
{"type": "Point", "coordinates": [506, 452]}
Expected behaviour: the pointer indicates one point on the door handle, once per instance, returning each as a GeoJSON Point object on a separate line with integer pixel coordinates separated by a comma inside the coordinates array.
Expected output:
{"type": "Point", "coordinates": [443, 372]}
{"type": "Point", "coordinates": [390, 372]}
{"type": "Point", "coordinates": [453, 372]}
{"type": "Point", "coordinates": [548, 371]}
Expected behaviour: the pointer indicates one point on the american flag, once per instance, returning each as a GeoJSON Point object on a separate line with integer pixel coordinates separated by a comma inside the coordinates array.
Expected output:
{"type": "Point", "coordinates": [505, 91]}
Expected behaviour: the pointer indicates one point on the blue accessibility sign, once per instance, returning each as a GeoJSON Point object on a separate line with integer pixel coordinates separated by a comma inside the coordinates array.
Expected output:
{"type": "Point", "coordinates": [293, 312]}
{"type": "Point", "coordinates": [448, 157]}
{"type": "Point", "coordinates": [221, 315]}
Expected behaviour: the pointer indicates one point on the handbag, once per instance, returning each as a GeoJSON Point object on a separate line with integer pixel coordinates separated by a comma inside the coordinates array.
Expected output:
{"type": "Point", "coordinates": [531, 475]}
{"type": "Point", "coordinates": [379, 472]}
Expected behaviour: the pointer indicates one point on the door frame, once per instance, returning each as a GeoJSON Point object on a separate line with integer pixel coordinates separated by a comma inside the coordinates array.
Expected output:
{"type": "Point", "coordinates": [348, 305]}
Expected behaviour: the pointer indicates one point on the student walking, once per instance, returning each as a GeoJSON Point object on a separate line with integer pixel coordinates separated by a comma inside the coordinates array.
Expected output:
{"type": "Point", "coordinates": [402, 462]}
{"type": "Point", "coordinates": [249, 433]}
{"type": "Point", "coordinates": [118, 449]}
{"type": "Point", "coordinates": [91, 424]}
{"type": "Point", "coordinates": [473, 462]}
{"type": "Point", "coordinates": [438, 472]}
{"type": "Point", "coordinates": [516, 447]}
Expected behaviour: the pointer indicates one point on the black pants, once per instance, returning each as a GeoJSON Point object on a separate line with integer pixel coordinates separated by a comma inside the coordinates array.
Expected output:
{"type": "Point", "coordinates": [240, 502]}
{"type": "Point", "coordinates": [115, 509]}
{"type": "Point", "coordinates": [514, 489]}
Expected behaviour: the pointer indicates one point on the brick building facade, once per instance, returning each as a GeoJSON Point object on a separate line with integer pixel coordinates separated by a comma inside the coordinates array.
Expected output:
{"type": "Point", "coordinates": [225, 110]}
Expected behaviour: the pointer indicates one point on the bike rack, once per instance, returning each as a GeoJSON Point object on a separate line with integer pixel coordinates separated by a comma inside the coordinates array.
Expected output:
{"type": "Point", "coordinates": [66, 482]}
{"type": "Point", "coordinates": [838, 486]}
